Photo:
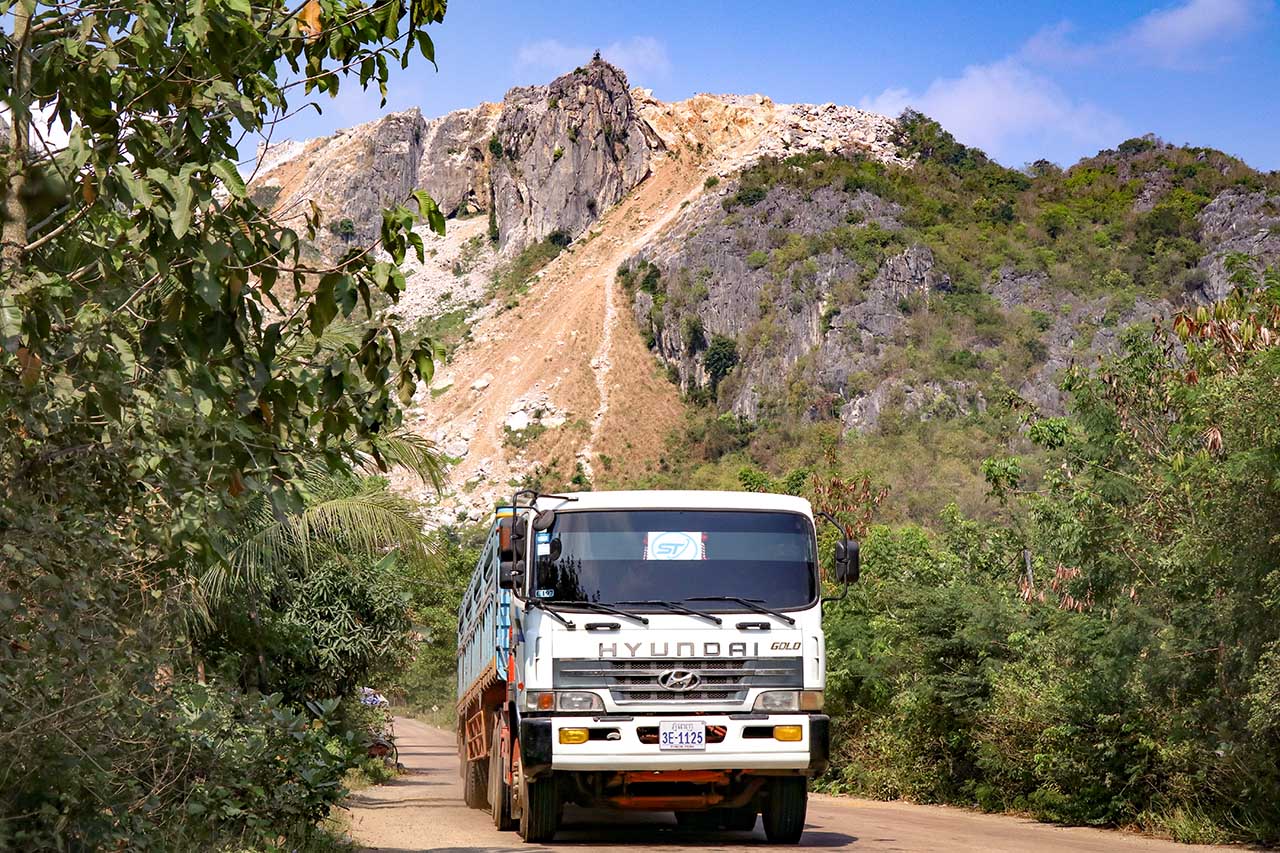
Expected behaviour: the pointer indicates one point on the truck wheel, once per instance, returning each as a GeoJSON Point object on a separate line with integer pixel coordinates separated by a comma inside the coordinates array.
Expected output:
{"type": "Point", "coordinates": [499, 791]}
{"type": "Point", "coordinates": [474, 784]}
{"type": "Point", "coordinates": [540, 810]}
{"type": "Point", "coordinates": [785, 808]}
{"type": "Point", "coordinates": [741, 819]}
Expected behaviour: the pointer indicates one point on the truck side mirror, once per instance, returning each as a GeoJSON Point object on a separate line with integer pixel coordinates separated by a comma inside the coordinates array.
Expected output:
{"type": "Point", "coordinates": [509, 577]}
{"type": "Point", "coordinates": [504, 539]}
{"type": "Point", "coordinates": [510, 555]}
{"type": "Point", "coordinates": [848, 562]}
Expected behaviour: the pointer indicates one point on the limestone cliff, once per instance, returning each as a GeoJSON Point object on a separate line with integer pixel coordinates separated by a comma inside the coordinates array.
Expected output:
{"type": "Point", "coordinates": [568, 151]}
{"type": "Point", "coordinates": [547, 159]}
{"type": "Point", "coordinates": [837, 302]}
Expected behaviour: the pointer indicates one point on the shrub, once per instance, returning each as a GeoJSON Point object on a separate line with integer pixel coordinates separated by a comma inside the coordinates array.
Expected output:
{"type": "Point", "coordinates": [720, 358]}
{"type": "Point", "coordinates": [495, 147]}
{"type": "Point", "coordinates": [692, 333]}
{"type": "Point", "coordinates": [711, 182]}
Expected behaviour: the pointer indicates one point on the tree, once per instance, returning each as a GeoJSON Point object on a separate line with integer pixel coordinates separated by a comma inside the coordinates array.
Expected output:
{"type": "Point", "coordinates": [310, 605]}
{"type": "Point", "coordinates": [167, 357]}
{"type": "Point", "coordinates": [721, 357]}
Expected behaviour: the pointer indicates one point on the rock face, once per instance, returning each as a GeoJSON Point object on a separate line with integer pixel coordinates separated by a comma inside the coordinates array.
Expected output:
{"type": "Point", "coordinates": [569, 151]}
{"type": "Point", "coordinates": [350, 176]}
{"type": "Point", "coordinates": [834, 308]}
{"type": "Point", "coordinates": [1237, 221]}
{"type": "Point", "coordinates": [815, 323]}
{"type": "Point", "coordinates": [547, 159]}
{"type": "Point", "coordinates": [454, 164]}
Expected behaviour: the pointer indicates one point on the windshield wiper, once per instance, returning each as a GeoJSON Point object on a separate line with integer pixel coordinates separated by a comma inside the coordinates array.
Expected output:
{"type": "Point", "coordinates": [545, 608]}
{"type": "Point", "coordinates": [604, 608]}
{"type": "Point", "coordinates": [678, 608]}
{"type": "Point", "coordinates": [753, 604]}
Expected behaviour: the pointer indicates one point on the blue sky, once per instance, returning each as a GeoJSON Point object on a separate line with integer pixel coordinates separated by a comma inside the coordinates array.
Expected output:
{"type": "Point", "coordinates": [1023, 79]}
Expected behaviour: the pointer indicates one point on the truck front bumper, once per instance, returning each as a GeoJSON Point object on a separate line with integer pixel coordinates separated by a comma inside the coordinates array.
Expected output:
{"type": "Point", "coordinates": [541, 748]}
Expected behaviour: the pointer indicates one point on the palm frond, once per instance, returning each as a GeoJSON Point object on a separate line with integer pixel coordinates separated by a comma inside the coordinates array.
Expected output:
{"type": "Point", "coordinates": [403, 449]}
{"type": "Point", "coordinates": [370, 522]}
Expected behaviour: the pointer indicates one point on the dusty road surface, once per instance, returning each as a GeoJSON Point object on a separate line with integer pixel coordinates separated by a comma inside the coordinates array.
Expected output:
{"type": "Point", "coordinates": [423, 810]}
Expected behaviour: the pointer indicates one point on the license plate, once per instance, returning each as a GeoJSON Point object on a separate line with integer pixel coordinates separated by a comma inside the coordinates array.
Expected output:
{"type": "Point", "coordinates": [682, 734]}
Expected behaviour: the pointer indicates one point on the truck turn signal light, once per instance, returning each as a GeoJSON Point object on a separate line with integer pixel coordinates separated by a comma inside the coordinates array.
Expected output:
{"type": "Point", "coordinates": [573, 735]}
{"type": "Point", "coordinates": [787, 733]}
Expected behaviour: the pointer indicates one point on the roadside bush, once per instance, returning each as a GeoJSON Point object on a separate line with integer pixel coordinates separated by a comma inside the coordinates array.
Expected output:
{"type": "Point", "coordinates": [258, 766]}
{"type": "Point", "coordinates": [1110, 658]}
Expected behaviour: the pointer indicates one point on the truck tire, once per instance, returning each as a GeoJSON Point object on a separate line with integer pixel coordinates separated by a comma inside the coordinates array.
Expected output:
{"type": "Point", "coordinates": [741, 819]}
{"type": "Point", "coordinates": [784, 809]}
{"type": "Point", "coordinates": [499, 791]}
{"type": "Point", "coordinates": [474, 784]}
{"type": "Point", "coordinates": [540, 812]}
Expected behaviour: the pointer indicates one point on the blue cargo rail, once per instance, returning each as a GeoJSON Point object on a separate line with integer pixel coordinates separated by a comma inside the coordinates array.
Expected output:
{"type": "Point", "coordinates": [484, 626]}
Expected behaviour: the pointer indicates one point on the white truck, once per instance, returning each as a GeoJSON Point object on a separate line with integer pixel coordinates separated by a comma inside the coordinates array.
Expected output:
{"type": "Point", "coordinates": [656, 650]}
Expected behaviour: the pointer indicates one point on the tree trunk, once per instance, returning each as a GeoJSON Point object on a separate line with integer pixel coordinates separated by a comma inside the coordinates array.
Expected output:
{"type": "Point", "coordinates": [13, 233]}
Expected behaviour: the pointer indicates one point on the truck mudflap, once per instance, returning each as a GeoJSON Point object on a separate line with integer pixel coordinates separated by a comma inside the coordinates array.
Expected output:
{"type": "Point", "coordinates": [535, 747]}
{"type": "Point", "coordinates": [819, 744]}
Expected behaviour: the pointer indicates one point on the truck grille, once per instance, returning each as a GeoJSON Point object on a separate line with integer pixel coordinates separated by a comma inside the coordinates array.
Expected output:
{"type": "Point", "coordinates": [718, 680]}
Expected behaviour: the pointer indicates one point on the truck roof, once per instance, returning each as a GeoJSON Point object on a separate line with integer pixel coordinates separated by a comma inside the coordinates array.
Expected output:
{"type": "Point", "coordinates": [676, 499]}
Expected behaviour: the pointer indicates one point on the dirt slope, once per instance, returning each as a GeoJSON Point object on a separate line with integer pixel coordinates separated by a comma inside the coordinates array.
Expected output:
{"type": "Point", "coordinates": [571, 346]}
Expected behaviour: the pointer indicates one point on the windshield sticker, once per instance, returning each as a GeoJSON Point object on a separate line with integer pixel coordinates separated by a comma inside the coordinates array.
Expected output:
{"type": "Point", "coordinates": [545, 593]}
{"type": "Point", "coordinates": [675, 545]}
{"type": "Point", "coordinates": [543, 541]}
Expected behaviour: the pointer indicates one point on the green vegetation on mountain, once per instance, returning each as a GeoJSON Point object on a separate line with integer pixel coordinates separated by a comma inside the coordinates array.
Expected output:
{"type": "Point", "coordinates": [1010, 276]}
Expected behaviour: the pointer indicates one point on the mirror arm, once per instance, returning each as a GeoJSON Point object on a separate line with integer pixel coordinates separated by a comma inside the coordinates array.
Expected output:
{"type": "Point", "coordinates": [844, 537]}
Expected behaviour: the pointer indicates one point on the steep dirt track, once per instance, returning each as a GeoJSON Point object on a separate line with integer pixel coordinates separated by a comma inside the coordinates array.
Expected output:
{"type": "Point", "coordinates": [572, 337]}
{"type": "Point", "coordinates": [423, 811]}
{"type": "Point", "coordinates": [559, 341]}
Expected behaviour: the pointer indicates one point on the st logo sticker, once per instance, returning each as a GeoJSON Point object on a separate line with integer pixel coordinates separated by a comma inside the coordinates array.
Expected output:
{"type": "Point", "coordinates": [675, 545]}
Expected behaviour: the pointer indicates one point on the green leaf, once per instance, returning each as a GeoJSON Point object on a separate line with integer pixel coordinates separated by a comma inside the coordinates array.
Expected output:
{"type": "Point", "coordinates": [426, 367]}
{"type": "Point", "coordinates": [324, 307]}
{"type": "Point", "coordinates": [10, 323]}
{"type": "Point", "coordinates": [230, 176]}
{"type": "Point", "coordinates": [180, 216]}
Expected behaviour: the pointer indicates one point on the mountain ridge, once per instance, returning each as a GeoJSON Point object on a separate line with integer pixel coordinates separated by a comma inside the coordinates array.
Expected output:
{"type": "Point", "coordinates": [834, 265]}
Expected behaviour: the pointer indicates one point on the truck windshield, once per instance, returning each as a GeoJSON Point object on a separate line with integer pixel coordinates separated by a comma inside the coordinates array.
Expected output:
{"type": "Point", "coordinates": [609, 556]}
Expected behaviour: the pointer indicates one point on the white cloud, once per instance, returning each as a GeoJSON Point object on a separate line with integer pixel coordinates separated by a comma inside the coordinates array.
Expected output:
{"type": "Point", "coordinates": [1181, 35]}
{"type": "Point", "coordinates": [1177, 34]}
{"type": "Point", "coordinates": [1012, 110]}
{"type": "Point", "coordinates": [1007, 110]}
{"type": "Point", "coordinates": [641, 57]}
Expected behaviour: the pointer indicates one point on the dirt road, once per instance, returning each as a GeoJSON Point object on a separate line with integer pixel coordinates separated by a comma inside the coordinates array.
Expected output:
{"type": "Point", "coordinates": [423, 810]}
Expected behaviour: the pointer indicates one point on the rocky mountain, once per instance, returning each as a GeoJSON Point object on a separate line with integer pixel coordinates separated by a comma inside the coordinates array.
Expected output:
{"type": "Point", "coordinates": [568, 151]}
{"type": "Point", "coordinates": [787, 263]}
{"type": "Point", "coordinates": [841, 291]}
{"type": "Point", "coordinates": [547, 159]}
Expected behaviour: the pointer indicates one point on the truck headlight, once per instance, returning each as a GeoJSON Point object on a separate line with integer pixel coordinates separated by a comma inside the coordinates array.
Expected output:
{"type": "Point", "coordinates": [789, 700]}
{"type": "Point", "coordinates": [578, 700]}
